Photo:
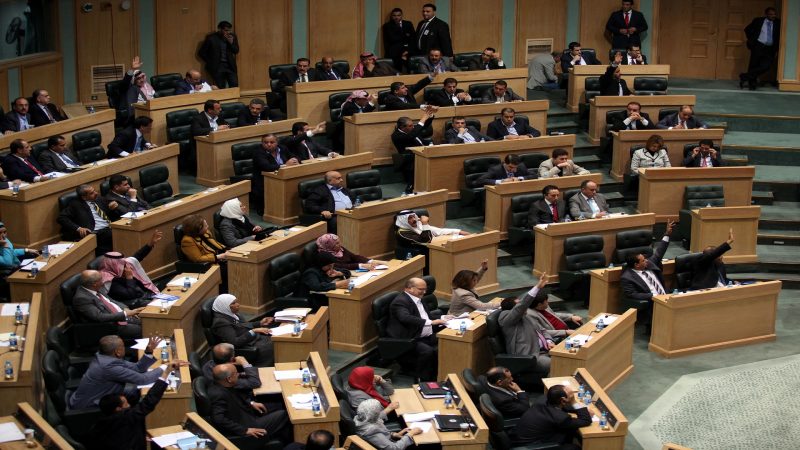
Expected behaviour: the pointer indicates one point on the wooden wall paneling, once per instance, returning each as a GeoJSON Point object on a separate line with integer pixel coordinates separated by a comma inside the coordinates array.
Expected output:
{"type": "Point", "coordinates": [265, 38]}
{"type": "Point", "coordinates": [5, 102]}
{"type": "Point", "coordinates": [476, 24]}
{"type": "Point", "coordinates": [594, 15]}
{"type": "Point", "coordinates": [181, 27]}
{"type": "Point", "coordinates": [540, 19]}
{"type": "Point", "coordinates": [97, 45]}
{"type": "Point", "coordinates": [336, 28]}
{"type": "Point", "coordinates": [43, 72]}
{"type": "Point", "coordinates": [687, 37]}
{"type": "Point", "coordinates": [412, 12]}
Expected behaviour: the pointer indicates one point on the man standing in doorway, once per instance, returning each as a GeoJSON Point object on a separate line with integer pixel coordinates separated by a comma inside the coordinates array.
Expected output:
{"type": "Point", "coordinates": [763, 35]}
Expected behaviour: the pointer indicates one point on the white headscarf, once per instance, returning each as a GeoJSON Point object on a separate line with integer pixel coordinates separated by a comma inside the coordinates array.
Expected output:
{"type": "Point", "coordinates": [222, 305]}
{"type": "Point", "coordinates": [232, 209]}
{"type": "Point", "coordinates": [402, 222]}
{"type": "Point", "coordinates": [369, 412]}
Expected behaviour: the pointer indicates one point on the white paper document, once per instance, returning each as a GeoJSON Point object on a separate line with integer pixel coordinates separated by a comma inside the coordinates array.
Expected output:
{"type": "Point", "coordinates": [159, 302]}
{"type": "Point", "coordinates": [361, 279]}
{"type": "Point", "coordinates": [381, 267]}
{"type": "Point", "coordinates": [173, 203]}
{"type": "Point", "coordinates": [58, 249]}
{"type": "Point", "coordinates": [455, 324]}
{"type": "Point", "coordinates": [424, 426]}
{"type": "Point", "coordinates": [141, 344]}
{"type": "Point", "coordinates": [288, 374]}
{"type": "Point", "coordinates": [9, 432]}
{"type": "Point", "coordinates": [286, 329]}
{"type": "Point", "coordinates": [292, 312]}
{"type": "Point", "coordinates": [178, 282]}
{"type": "Point", "coordinates": [28, 264]}
{"type": "Point", "coordinates": [293, 229]}
{"type": "Point", "coordinates": [9, 309]}
{"type": "Point", "coordinates": [608, 319]}
{"type": "Point", "coordinates": [301, 401]}
{"type": "Point", "coordinates": [580, 338]}
{"type": "Point", "coordinates": [420, 417]}
{"type": "Point", "coordinates": [172, 439]}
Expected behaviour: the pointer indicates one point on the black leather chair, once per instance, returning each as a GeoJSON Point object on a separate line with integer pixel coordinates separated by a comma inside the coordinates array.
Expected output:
{"type": "Point", "coordinates": [630, 180]}
{"type": "Point", "coordinates": [633, 242]}
{"type": "Point", "coordinates": [471, 384]}
{"type": "Point", "coordinates": [87, 146]}
{"type": "Point", "coordinates": [498, 437]}
{"type": "Point", "coordinates": [154, 182]}
{"type": "Point", "coordinates": [337, 382]}
{"type": "Point", "coordinates": [478, 90]}
{"type": "Point", "coordinates": [65, 199]}
{"type": "Point", "coordinates": [339, 64]}
{"type": "Point", "coordinates": [684, 269]}
{"type": "Point", "coordinates": [276, 69]}
{"type": "Point", "coordinates": [697, 197]}
{"type": "Point", "coordinates": [164, 84]}
{"type": "Point", "coordinates": [429, 299]}
{"type": "Point", "coordinates": [216, 219]}
{"type": "Point", "coordinates": [195, 365]}
{"type": "Point", "coordinates": [114, 92]}
{"type": "Point", "coordinates": [471, 122]}
{"type": "Point", "coordinates": [664, 112]}
{"type": "Point", "coordinates": [428, 91]}
{"type": "Point", "coordinates": [86, 335]}
{"type": "Point", "coordinates": [611, 116]}
{"type": "Point", "coordinates": [582, 254]}
{"type": "Point", "coordinates": [523, 367]}
{"type": "Point", "coordinates": [179, 130]}
{"type": "Point", "coordinates": [474, 168]}
{"type": "Point", "coordinates": [230, 112]}
{"type": "Point", "coordinates": [206, 319]}
{"type": "Point", "coordinates": [382, 96]}
{"type": "Point", "coordinates": [37, 149]}
{"type": "Point", "coordinates": [520, 231]}
{"type": "Point", "coordinates": [365, 184]}
{"type": "Point", "coordinates": [58, 341]}
{"type": "Point", "coordinates": [304, 188]}
{"type": "Point", "coordinates": [284, 273]}
{"type": "Point", "coordinates": [183, 265]}
{"type": "Point", "coordinates": [63, 431]}
{"type": "Point", "coordinates": [242, 156]}
{"type": "Point", "coordinates": [414, 64]}
{"type": "Point", "coordinates": [532, 162]}
{"type": "Point", "coordinates": [650, 86]}
{"type": "Point", "coordinates": [335, 102]}
{"type": "Point", "coordinates": [389, 349]}
{"type": "Point", "coordinates": [347, 424]}
{"type": "Point", "coordinates": [466, 60]}
{"type": "Point", "coordinates": [309, 254]}
{"type": "Point", "coordinates": [569, 193]}
{"type": "Point", "coordinates": [591, 88]}
{"type": "Point", "coordinates": [78, 422]}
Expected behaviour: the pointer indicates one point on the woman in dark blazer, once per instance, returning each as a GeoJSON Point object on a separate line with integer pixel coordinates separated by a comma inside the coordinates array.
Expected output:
{"type": "Point", "coordinates": [228, 327]}
{"type": "Point", "coordinates": [235, 227]}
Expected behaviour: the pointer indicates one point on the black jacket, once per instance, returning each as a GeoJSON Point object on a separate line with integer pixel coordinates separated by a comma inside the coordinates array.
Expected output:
{"type": "Point", "coordinates": [245, 118]}
{"type": "Point", "coordinates": [632, 285]}
{"type": "Point", "coordinates": [753, 30]}
{"type": "Point", "coordinates": [79, 215]}
{"type": "Point", "coordinates": [263, 161]}
{"type": "Point", "coordinates": [320, 199]}
{"type": "Point", "coordinates": [397, 39]}
{"type": "Point", "coordinates": [619, 123]}
{"type": "Point", "coordinates": [126, 430]}
{"type": "Point", "coordinates": [588, 57]}
{"type": "Point", "coordinates": [511, 406]}
{"type": "Point", "coordinates": [248, 376]}
{"type": "Point", "coordinates": [301, 144]}
{"type": "Point", "coordinates": [435, 35]}
{"type": "Point", "coordinates": [610, 86]}
{"type": "Point", "coordinates": [124, 205]}
{"type": "Point", "coordinates": [290, 76]}
{"type": "Point", "coordinates": [394, 102]}
{"type": "Point", "coordinates": [543, 423]}
{"type": "Point", "coordinates": [498, 172]}
{"type": "Point", "coordinates": [540, 212]}
{"type": "Point", "coordinates": [497, 130]}
{"type": "Point", "coordinates": [124, 141]}
{"type": "Point", "coordinates": [11, 121]}
{"type": "Point", "coordinates": [402, 141]}
{"type": "Point", "coordinates": [211, 52]}
{"type": "Point", "coordinates": [404, 319]}
{"type": "Point", "coordinates": [441, 98]}
{"type": "Point", "coordinates": [695, 161]}
{"type": "Point", "coordinates": [16, 169]}
{"type": "Point", "coordinates": [321, 75]}
{"type": "Point", "coordinates": [617, 21]}
{"type": "Point", "coordinates": [202, 127]}
{"type": "Point", "coordinates": [50, 161]}
{"type": "Point", "coordinates": [39, 118]}
{"type": "Point", "coordinates": [231, 412]}
{"type": "Point", "coordinates": [707, 271]}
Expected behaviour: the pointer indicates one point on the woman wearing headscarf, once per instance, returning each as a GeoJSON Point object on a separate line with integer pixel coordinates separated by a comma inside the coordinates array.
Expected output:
{"type": "Point", "coordinates": [414, 232]}
{"type": "Point", "coordinates": [363, 384]}
{"type": "Point", "coordinates": [370, 427]}
{"type": "Point", "coordinates": [345, 259]}
{"type": "Point", "coordinates": [228, 327]}
{"type": "Point", "coordinates": [321, 277]}
{"type": "Point", "coordinates": [125, 280]}
{"type": "Point", "coordinates": [235, 227]}
{"type": "Point", "coordinates": [465, 299]}
{"type": "Point", "coordinates": [10, 259]}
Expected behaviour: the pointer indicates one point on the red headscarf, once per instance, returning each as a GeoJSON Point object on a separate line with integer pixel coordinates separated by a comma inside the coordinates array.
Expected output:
{"type": "Point", "coordinates": [361, 378]}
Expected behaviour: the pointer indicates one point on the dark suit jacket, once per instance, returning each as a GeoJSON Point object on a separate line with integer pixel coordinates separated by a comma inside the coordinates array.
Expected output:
{"type": "Point", "coordinates": [497, 129]}
{"type": "Point", "coordinates": [263, 161]}
{"type": "Point", "coordinates": [706, 270]}
{"type": "Point", "coordinates": [124, 205]}
{"type": "Point", "coordinates": [50, 162]}
{"type": "Point", "coordinates": [88, 306]}
{"type": "Point", "coordinates": [323, 76]}
{"type": "Point", "coordinates": [511, 406]}
{"type": "Point", "coordinates": [126, 429]}
{"type": "Point", "coordinates": [753, 30]}
{"type": "Point", "coordinates": [672, 120]}
{"type": "Point", "coordinates": [320, 199]}
{"type": "Point", "coordinates": [289, 77]}
{"type": "Point", "coordinates": [78, 215]}
{"type": "Point", "coordinates": [509, 96]}
{"type": "Point", "coordinates": [350, 108]}
{"type": "Point", "coordinates": [632, 285]}
{"type": "Point", "coordinates": [398, 39]}
{"type": "Point", "coordinates": [402, 141]}
{"type": "Point", "coordinates": [248, 377]}
{"type": "Point", "coordinates": [296, 146]}
{"type": "Point", "coordinates": [226, 329]}
{"type": "Point", "coordinates": [610, 86]}
{"type": "Point", "coordinates": [451, 136]}
{"type": "Point", "coordinates": [39, 118]}
{"type": "Point", "coordinates": [540, 212]}
{"type": "Point", "coordinates": [11, 121]}
{"type": "Point", "coordinates": [694, 161]}
{"type": "Point", "coordinates": [617, 21]}
{"type": "Point", "coordinates": [404, 319]}
{"type": "Point", "coordinates": [393, 102]}
{"type": "Point", "coordinates": [124, 141]}
{"type": "Point", "coordinates": [231, 412]}
{"type": "Point", "coordinates": [590, 59]}
{"type": "Point", "coordinates": [245, 118]}
{"type": "Point", "coordinates": [625, 59]}
{"type": "Point", "coordinates": [202, 127]}
{"type": "Point", "coordinates": [619, 123]}
{"type": "Point", "coordinates": [15, 169]}
{"type": "Point", "coordinates": [498, 172]}
{"type": "Point", "coordinates": [108, 375]}
{"type": "Point", "coordinates": [543, 423]}
{"type": "Point", "coordinates": [436, 35]}
{"type": "Point", "coordinates": [211, 52]}
{"type": "Point", "coordinates": [441, 98]}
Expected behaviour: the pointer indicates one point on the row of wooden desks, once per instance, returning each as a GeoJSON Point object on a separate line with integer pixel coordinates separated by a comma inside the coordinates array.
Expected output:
{"type": "Point", "coordinates": [196, 425]}
{"type": "Point", "coordinates": [25, 417]}
{"type": "Point", "coordinates": [31, 215]}
{"type": "Point", "coordinates": [26, 383]}
{"type": "Point", "coordinates": [178, 396]}
{"type": "Point", "coordinates": [579, 74]}
{"type": "Point", "coordinates": [102, 121]}
{"type": "Point", "coordinates": [651, 105]}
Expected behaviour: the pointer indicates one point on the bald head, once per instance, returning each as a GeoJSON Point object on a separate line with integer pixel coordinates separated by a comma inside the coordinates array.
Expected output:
{"type": "Point", "coordinates": [223, 353]}
{"type": "Point", "coordinates": [416, 287]}
{"type": "Point", "coordinates": [334, 178]}
{"type": "Point", "coordinates": [222, 372]}
{"type": "Point", "coordinates": [90, 278]}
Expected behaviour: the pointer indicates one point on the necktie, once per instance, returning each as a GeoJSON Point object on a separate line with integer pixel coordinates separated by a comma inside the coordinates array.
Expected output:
{"type": "Point", "coordinates": [332, 75]}
{"type": "Point", "coordinates": [99, 211]}
{"type": "Point", "coordinates": [47, 111]}
{"type": "Point", "coordinates": [627, 19]}
{"type": "Point", "coordinates": [23, 123]}
{"type": "Point", "coordinates": [621, 92]}
{"type": "Point", "coordinates": [308, 150]}
{"type": "Point", "coordinates": [769, 32]}
{"type": "Point", "coordinates": [555, 212]}
{"type": "Point", "coordinates": [654, 284]}
{"type": "Point", "coordinates": [509, 175]}
{"type": "Point", "coordinates": [468, 138]}
{"type": "Point", "coordinates": [542, 341]}
{"type": "Point", "coordinates": [68, 160]}
{"type": "Point", "coordinates": [721, 279]}
{"type": "Point", "coordinates": [110, 307]}
{"type": "Point", "coordinates": [703, 162]}
{"type": "Point", "coordinates": [303, 78]}
{"type": "Point", "coordinates": [33, 168]}
{"type": "Point", "coordinates": [422, 33]}
{"type": "Point", "coordinates": [139, 142]}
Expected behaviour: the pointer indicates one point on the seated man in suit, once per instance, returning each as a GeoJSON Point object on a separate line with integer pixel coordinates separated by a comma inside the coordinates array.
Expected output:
{"type": "Point", "coordinates": [552, 421]}
{"type": "Point", "coordinates": [92, 305]}
{"type": "Point", "coordinates": [369, 66]}
{"type": "Point", "coordinates": [326, 199]}
{"type": "Point", "coordinates": [577, 57]}
{"type": "Point", "coordinates": [44, 112]}
{"type": "Point", "coordinates": [193, 83]}
{"type": "Point", "coordinates": [410, 319]}
{"type": "Point", "coordinates": [634, 56]}
{"type": "Point", "coordinates": [110, 373]}
{"type": "Point", "coordinates": [489, 60]}
{"type": "Point", "coordinates": [85, 215]}
{"type": "Point", "coordinates": [259, 112]}
{"type": "Point", "coordinates": [409, 134]}
{"type": "Point", "coordinates": [708, 270]}
{"type": "Point", "coordinates": [588, 202]}
{"type": "Point", "coordinates": [507, 128]}
{"type": "Point", "coordinates": [704, 155]}
{"type": "Point", "coordinates": [511, 169]}
{"type": "Point", "coordinates": [329, 72]}
{"type": "Point", "coordinates": [450, 95]}
{"type": "Point", "coordinates": [57, 157]}
{"type": "Point", "coordinates": [131, 139]}
{"type": "Point", "coordinates": [302, 72]}
{"type": "Point", "coordinates": [460, 133]}
{"type": "Point", "coordinates": [225, 353]}
{"type": "Point", "coordinates": [269, 158]}
{"type": "Point", "coordinates": [682, 120]}
{"type": "Point", "coordinates": [550, 209]}
{"type": "Point", "coordinates": [559, 165]}
{"type": "Point", "coordinates": [542, 72]}
{"type": "Point", "coordinates": [20, 165]}
{"type": "Point", "coordinates": [500, 93]}
{"type": "Point", "coordinates": [301, 144]}
{"type": "Point", "coordinates": [209, 120]}
{"type": "Point", "coordinates": [611, 82]}
{"type": "Point", "coordinates": [18, 119]}
{"type": "Point", "coordinates": [121, 198]}
{"type": "Point", "coordinates": [521, 332]}
{"type": "Point", "coordinates": [506, 395]}
{"type": "Point", "coordinates": [436, 63]}
{"type": "Point", "coordinates": [402, 96]}
{"type": "Point", "coordinates": [635, 119]}
{"type": "Point", "coordinates": [643, 277]}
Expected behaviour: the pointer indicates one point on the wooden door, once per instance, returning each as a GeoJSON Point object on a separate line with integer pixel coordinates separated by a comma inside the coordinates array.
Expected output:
{"type": "Point", "coordinates": [732, 53]}
{"type": "Point", "coordinates": [265, 38]}
{"type": "Point", "coordinates": [181, 27]}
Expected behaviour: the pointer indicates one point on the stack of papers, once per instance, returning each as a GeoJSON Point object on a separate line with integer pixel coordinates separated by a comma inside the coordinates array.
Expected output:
{"type": "Point", "coordinates": [131, 215]}
{"type": "Point", "coordinates": [381, 267]}
{"type": "Point", "coordinates": [580, 339]}
{"type": "Point", "coordinates": [292, 314]}
{"type": "Point", "coordinates": [424, 426]}
{"type": "Point", "coordinates": [455, 324]}
{"type": "Point", "coordinates": [10, 432]}
{"type": "Point", "coordinates": [293, 229]}
{"type": "Point", "coordinates": [286, 329]}
{"type": "Point", "coordinates": [58, 249]}
{"type": "Point", "coordinates": [162, 296]}
{"type": "Point", "coordinates": [608, 319]}
{"type": "Point", "coordinates": [56, 174]}
{"type": "Point", "coordinates": [141, 344]}
{"type": "Point", "coordinates": [28, 264]}
{"type": "Point", "coordinates": [288, 375]}
{"type": "Point", "coordinates": [301, 401]}
{"type": "Point", "coordinates": [419, 417]}
{"type": "Point", "coordinates": [178, 281]}
{"type": "Point", "coordinates": [9, 309]}
{"type": "Point", "coordinates": [361, 279]}
{"type": "Point", "coordinates": [172, 439]}
{"type": "Point", "coordinates": [21, 185]}
{"type": "Point", "coordinates": [159, 302]}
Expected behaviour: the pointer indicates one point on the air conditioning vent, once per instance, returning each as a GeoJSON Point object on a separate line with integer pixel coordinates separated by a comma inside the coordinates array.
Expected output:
{"type": "Point", "coordinates": [103, 74]}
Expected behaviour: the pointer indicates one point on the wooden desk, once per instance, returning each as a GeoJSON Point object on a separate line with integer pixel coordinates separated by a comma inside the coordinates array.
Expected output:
{"type": "Point", "coordinates": [604, 291]}
{"type": "Point", "coordinates": [184, 313]}
{"type": "Point", "coordinates": [470, 350]}
{"type": "Point", "coordinates": [214, 163]}
{"type": "Point", "coordinates": [369, 229]}
{"type": "Point", "coordinates": [202, 429]}
{"type": "Point", "coordinates": [674, 141]}
{"type": "Point", "coordinates": [594, 437]}
{"type": "Point", "coordinates": [310, 100]}
{"type": "Point", "coordinates": [579, 74]}
{"type": "Point", "coordinates": [713, 319]}
{"type": "Point", "coordinates": [412, 402]}
{"type": "Point", "coordinates": [711, 225]}
{"type": "Point", "coordinates": [352, 327]}
{"type": "Point", "coordinates": [45, 435]}
{"type": "Point", "coordinates": [353, 442]}
{"type": "Point", "coordinates": [31, 215]}
{"type": "Point", "coordinates": [448, 256]}
{"type": "Point", "coordinates": [661, 190]}
{"type": "Point", "coordinates": [281, 197]}
{"type": "Point", "coordinates": [608, 354]}
{"type": "Point", "coordinates": [498, 197]}
{"type": "Point", "coordinates": [102, 121]}
{"type": "Point", "coordinates": [373, 132]}
{"type": "Point", "coordinates": [50, 277]}
{"type": "Point", "coordinates": [442, 166]}
{"type": "Point", "coordinates": [549, 248]}
{"type": "Point", "coordinates": [158, 108]}
{"type": "Point", "coordinates": [26, 386]}
{"type": "Point", "coordinates": [314, 338]}
{"type": "Point", "coordinates": [175, 402]}
{"type": "Point", "coordinates": [303, 420]}
{"type": "Point", "coordinates": [248, 265]}
{"type": "Point", "coordinates": [132, 234]}
{"type": "Point", "coordinates": [651, 104]}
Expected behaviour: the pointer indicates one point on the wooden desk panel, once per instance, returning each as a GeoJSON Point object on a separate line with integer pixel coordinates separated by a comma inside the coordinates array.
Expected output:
{"type": "Point", "coordinates": [132, 234]}
{"type": "Point", "coordinates": [27, 417]}
{"type": "Point", "coordinates": [711, 225]}
{"type": "Point", "coordinates": [281, 195]}
{"type": "Point", "coordinates": [248, 265]}
{"type": "Point", "coordinates": [48, 281]}
{"type": "Point", "coordinates": [369, 229]}
{"type": "Point", "coordinates": [579, 74]}
{"type": "Point", "coordinates": [661, 190]}
{"type": "Point", "coordinates": [195, 424]}
{"type": "Point", "coordinates": [674, 140]}
{"type": "Point", "coordinates": [448, 256]}
{"type": "Point", "coordinates": [303, 420]}
{"type": "Point", "coordinates": [31, 215]}
{"type": "Point", "coordinates": [549, 248]}
{"type": "Point", "coordinates": [442, 166]}
{"type": "Point", "coordinates": [470, 350]}
{"type": "Point", "coordinates": [352, 324]}
{"type": "Point", "coordinates": [27, 384]}
{"type": "Point", "coordinates": [651, 104]}
{"type": "Point", "coordinates": [102, 121]}
{"type": "Point", "coordinates": [184, 313]}
{"type": "Point", "coordinates": [314, 338]}
{"type": "Point", "coordinates": [175, 402]}
{"type": "Point", "coordinates": [158, 108]}
{"type": "Point", "coordinates": [214, 163]}
{"type": "Point", "coordinates": [498, 197]}
{"type": "Point", "coordinates": [604, 291]}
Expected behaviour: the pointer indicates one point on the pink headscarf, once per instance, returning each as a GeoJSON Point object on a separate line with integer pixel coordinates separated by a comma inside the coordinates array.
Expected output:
{"type": "Point", "coordinates": [113, 264]}
{"type": "Point", "coordinates": [327, 244]}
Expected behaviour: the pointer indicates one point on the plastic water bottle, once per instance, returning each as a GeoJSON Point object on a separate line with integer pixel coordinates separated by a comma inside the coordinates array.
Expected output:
{"type": "Point", "coordinates": [9, 370]}
{"type": "Point", "coordinates": [14, 189]}
{"type": "Point", "coordinates": [18, 316]}
{"type": "Point", "coordinates": [351, 285]}
{"type": "Point", "coordinates": [46, 251]}
{"type": "Point", "coordinates": [186, 284]}
{"type": "Point", "coordinates": [675, 291]}
{"type": "Point", "coordinates": [164, 354]}
{"type": "Point", "coordinates": [408, 256]}
{"type": "Point", "coordinates": [296, 328]}
{"type": "Point", "coordinates": [581, 390]}
{"type": "Point", "coordinates": [34, 270]}
{"type": "Point", "coordinates": [730, 283]}
{"type": "Point", "coordinates": [568, 344]}
{"type": "Point", "coordinates": [582, 217]}
{"type": "Point", "coordinates": [600, 325]}
{"type": "Point", "coordinates": [462, 328]}
{"type": "Point", "coordinates": [307, 379]}
{"type": "Point", "coordinates": [12, 342]}
{"type": "Point", "coordinates": [448, 400]}
{"type": "Point", "coordinates": [587, 397]}
{"type": "Point", "coordinates": [567, 219]}
{"type": "Point", "coordinates": [315, 407]}
{"type": "Point", "coordinates": [358, 202]}
{"type": "Point", "coordinates": [611, 265]}
{"type": "Point", "coordinates": [604, 420]}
